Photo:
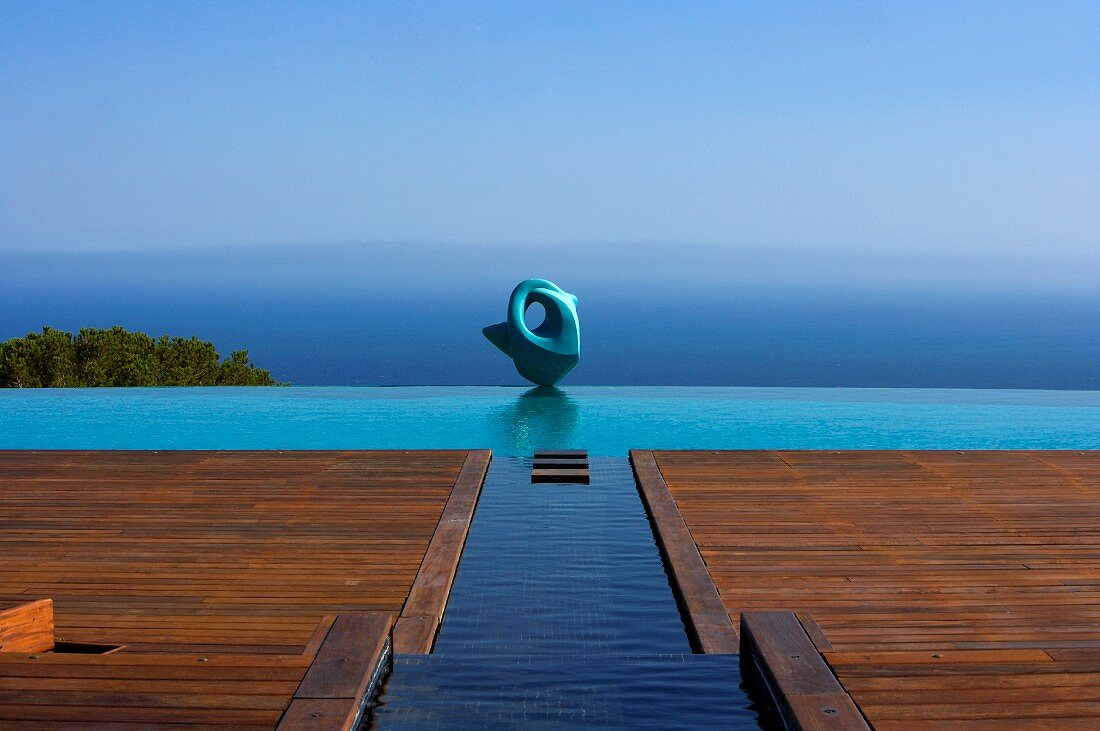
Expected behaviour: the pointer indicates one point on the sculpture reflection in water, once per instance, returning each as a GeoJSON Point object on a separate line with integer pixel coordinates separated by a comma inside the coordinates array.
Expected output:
{"type": "Point", "coordinates": [540, 418]}
{"type": "Point", "coordinates": [547, 353]}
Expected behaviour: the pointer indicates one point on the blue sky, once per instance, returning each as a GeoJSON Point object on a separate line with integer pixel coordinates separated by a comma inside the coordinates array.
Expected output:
{"type": "Point", "coordinates": [906, 132]}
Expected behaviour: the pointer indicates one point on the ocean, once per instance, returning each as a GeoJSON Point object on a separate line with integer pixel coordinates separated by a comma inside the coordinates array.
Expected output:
{"type": "Point", "coordinates": [413, 316]}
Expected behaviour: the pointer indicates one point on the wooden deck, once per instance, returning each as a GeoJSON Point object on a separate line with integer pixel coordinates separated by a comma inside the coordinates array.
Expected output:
{"type": "Point", "coordinates": [221, 576]}
{"type": "Point", "coordinates": [944, 589]}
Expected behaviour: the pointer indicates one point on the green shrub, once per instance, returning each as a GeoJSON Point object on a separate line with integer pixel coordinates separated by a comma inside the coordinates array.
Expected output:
{"type": "Point", "coordinates": [116, 357]}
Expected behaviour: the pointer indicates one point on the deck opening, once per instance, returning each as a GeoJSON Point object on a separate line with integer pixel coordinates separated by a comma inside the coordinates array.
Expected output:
{"type": "Point", "coordinates": [84, 648]}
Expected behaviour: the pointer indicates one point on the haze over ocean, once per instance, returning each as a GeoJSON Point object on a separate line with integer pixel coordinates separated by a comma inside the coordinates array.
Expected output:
{"type": "Point", "coordinates": [850, 194]}
{"type": "Point", "coordinates": [345, 315]}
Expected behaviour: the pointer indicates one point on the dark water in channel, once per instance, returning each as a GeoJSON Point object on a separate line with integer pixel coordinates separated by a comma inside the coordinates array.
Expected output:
{"type": "Point", "coordinates": [564, 692]}
{"type": "Point", "coordinates": [561, 616]}
{"type": "Point", "coordinates": [555, 569]}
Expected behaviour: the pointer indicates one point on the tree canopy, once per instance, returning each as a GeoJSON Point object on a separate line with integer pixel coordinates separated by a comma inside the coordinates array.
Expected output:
{"type": "Point", "coordinates": [116, 357]}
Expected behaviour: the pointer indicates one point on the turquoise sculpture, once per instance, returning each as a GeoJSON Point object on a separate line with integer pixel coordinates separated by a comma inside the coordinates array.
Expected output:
{"type": "Point", "coordinates": [546, 354]}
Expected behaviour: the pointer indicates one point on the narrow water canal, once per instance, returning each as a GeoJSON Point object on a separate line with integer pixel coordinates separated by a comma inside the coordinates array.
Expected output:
{"type": "Point", "coordinates": [562, 616]}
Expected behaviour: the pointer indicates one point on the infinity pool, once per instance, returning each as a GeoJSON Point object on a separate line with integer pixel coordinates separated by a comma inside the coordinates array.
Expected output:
{"type": "Point", "coordinates": [514, 421]}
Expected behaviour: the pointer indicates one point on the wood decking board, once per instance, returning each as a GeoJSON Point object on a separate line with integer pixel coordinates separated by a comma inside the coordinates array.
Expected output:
{"type": "Point", "coordinates": [955, 589]}
{"type": "Point", "coordinates": [220, 574]}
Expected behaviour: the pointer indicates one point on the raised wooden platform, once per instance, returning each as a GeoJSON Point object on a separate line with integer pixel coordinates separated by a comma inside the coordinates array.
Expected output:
{"type": "Point", "coordinates": [944, 589]}
{"type": "Point", "coordinates": [220, 576]}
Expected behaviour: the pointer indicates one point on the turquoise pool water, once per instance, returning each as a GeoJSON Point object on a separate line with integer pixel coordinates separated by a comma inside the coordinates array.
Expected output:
{"type": "Point", "coordinates": [515, 421]}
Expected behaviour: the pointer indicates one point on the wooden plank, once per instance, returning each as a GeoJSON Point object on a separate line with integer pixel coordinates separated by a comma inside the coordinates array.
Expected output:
{"type": "Point", "coordinates": [814, 632]}
{"type": "Point", "coordinates": [321, 714]}
{"type": "Point", "coordinates": [27, 627]}
{"type": "Point", "coordinates": [356, 639]}
{"type": "Point", "coordinates": [319, 635]}
{"type": "Point", "coordinates": [427, 599]}
{"type": "Point", "coordinates": [344, 674]}
{"type": "Point", "coordinates": [566, 453]}
{"type": "Point", "coordinates": [560, 464]}
{"type": "Point", "coordinates": [90, 716]}
{"type": "Point", "coordinates": [416, 633]}
{"type": "Point", "coordinates": [708, 622]}
{"type": "Point", "coordinates": [776, 648]}
{"type": "Point", "coordinates": [940, 657]}
{"type": "Point", "coordinates": [563, 475]}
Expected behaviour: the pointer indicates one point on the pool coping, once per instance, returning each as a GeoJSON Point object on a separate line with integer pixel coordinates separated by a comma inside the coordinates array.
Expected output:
{"type": "Point", "coordinates": [418, 624]}
{"type": "Point", "coordinates": [777, 649]}
{"type": "Point", "coordinates": [709, 626]}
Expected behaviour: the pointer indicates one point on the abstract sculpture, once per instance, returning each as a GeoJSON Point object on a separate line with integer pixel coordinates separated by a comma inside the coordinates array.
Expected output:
{"type": "Point", "coordinates": [543, 355]}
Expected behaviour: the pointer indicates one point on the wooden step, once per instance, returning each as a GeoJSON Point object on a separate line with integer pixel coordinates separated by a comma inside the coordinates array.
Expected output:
{"type": "Point", "coordinates": [578, 476]}
{"type": "Point", "coordinates": [27, 627]}
{"type": "Point", "coordinates": [560, 464]}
